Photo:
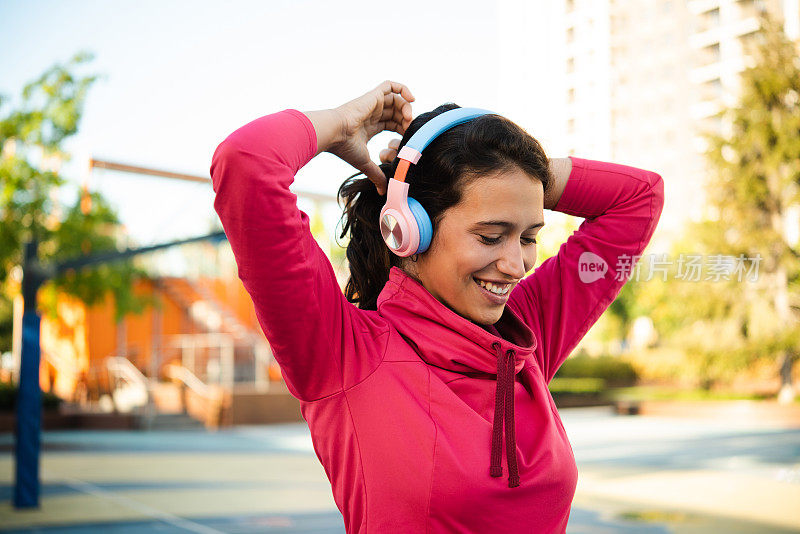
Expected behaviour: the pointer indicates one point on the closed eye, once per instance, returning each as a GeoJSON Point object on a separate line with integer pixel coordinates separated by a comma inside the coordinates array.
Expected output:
{"type": "Point", "coordinates": [495, 240]}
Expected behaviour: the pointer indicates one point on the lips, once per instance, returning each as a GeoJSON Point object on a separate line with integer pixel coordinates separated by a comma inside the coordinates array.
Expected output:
{"type": "Point", "coordinates": [494, 283]}
{"type": "Point", "coordinates": [493, 298]}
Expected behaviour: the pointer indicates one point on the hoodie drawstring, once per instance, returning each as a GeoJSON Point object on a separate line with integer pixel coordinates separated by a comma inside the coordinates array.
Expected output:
{"type": "Point", "coordinates": [504, 414]}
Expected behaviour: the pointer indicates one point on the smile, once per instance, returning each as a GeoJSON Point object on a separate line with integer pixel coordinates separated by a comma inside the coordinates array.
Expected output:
{"type": "Point", "coordinates": [496, 293]}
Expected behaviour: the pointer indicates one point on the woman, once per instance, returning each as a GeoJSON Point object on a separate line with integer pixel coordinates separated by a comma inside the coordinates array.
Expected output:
{"type": "Point", "coordinates": [411, 395]}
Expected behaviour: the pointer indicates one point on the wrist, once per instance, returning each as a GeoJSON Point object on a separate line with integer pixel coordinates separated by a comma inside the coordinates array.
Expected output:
{"type": "Point", "coordinates": [560, 170]}
{"type": "Point", "coordinates": [329, 127]}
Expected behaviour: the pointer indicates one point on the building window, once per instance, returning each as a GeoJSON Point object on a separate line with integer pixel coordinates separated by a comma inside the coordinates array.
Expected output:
{"type": "Point", "coordinates": [749, 8]}
{"type": "Point", "coordinates": [712, 90]}
{"type": "Point", "coordinates": [708, 20]}
{"type": "Point", "coordinates": [710, 54]}
{"type": "Point", "coordinates": [749, 41]}
{"type": "Point", "coordinates": [570, 64]}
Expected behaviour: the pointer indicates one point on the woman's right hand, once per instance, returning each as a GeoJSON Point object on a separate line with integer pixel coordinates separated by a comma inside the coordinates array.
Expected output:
{"type": "Point", "coordinates": [385, 108]}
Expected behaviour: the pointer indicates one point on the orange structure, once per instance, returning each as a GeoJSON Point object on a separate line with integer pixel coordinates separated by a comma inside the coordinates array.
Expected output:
{"type": "Point", "coordinates": [79, 340]}
{"type": "Point", "coordinates": [201, 336]}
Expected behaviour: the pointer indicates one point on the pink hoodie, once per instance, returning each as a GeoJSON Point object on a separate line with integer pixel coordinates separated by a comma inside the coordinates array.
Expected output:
{"type": "Point", "coordinates": [404, 404]}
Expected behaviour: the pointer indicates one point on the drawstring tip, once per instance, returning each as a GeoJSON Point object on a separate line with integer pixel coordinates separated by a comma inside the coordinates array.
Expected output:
{"type": "Point", "coordinates": [513, 481]}
{"type": "Point", "coordinates": [496, 471]}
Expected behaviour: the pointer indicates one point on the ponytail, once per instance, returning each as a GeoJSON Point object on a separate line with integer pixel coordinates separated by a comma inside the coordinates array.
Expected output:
{"type": "Point", "coordinates": [368, 256]}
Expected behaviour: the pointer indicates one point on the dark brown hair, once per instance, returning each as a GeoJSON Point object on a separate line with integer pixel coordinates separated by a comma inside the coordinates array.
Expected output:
{"type": "Point", "coordinates": [482, 146]}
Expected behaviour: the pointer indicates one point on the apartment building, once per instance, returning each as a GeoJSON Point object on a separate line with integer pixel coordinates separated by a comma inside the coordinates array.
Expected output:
{"type": "Point", "coordinates": [644, 78]}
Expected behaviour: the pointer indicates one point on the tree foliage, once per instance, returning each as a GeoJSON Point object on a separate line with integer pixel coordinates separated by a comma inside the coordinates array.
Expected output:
{"type": "Point", "coordinates": [752, 186]}
{"type": "Point", "coordinates": [32, 136]}
{"type": "Point", "coordinates": [756, 179]}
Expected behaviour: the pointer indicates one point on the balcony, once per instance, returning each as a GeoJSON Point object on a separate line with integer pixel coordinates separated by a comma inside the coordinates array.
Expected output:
{"type": "Point", "coordinates": [709, 55]}
{"type": "Point", "coordinates": [748, 8]}
{"type": "Point", "coordinates": [707, 21]}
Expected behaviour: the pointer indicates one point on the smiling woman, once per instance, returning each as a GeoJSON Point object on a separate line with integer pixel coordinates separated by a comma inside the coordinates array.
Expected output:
{"type": "Point", "coordinates": [412, 396]}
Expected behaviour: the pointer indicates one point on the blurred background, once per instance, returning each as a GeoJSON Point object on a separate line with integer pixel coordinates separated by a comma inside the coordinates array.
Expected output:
{"type": "Point", "coordinates": [162, 407]}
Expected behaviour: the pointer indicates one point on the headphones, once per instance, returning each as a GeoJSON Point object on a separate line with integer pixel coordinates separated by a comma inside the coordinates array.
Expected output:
{"type": "Point", "coordinates": [405, 225]}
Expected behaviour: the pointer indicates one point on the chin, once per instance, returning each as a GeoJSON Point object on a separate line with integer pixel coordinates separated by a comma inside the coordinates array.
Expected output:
{"type": "Point", "coordinates": [489, 318]}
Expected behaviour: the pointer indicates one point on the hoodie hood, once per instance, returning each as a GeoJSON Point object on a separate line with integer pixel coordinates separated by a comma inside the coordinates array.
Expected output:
{"type": "Point", "coordinates": [444, 339]}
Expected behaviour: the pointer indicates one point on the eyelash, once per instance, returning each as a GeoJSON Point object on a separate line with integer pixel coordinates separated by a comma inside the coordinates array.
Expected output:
{"type": "Point", "coordinates": [495, 240]}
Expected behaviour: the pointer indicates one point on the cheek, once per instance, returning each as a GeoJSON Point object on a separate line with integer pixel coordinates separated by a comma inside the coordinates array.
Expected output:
{"type": "Point", "coordinates": [474, 258]}
{"type": "Point", "coordinates": [530, 259]}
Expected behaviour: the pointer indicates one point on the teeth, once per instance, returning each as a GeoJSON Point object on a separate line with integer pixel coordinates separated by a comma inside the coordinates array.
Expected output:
{"type": "Point", "coordinates": [496, 289]}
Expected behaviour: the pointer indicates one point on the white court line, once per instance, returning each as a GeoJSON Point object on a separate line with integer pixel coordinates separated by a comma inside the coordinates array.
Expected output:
{"type": "Point", "coordinates": [149, 511]}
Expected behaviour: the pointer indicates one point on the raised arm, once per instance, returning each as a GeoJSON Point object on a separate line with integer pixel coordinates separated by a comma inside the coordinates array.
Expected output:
{"type": "Point", "coordinates": [566, 295]}
{"type": "Point", "coordinates": [322, 342]}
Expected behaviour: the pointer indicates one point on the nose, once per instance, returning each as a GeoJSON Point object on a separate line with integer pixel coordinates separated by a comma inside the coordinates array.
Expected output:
{"type": "Point", "coordinates": [516, 260]}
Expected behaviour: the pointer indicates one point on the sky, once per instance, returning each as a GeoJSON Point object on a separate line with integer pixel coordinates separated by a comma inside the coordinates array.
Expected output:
{"type": "Point", "coordinates": [180, 76]}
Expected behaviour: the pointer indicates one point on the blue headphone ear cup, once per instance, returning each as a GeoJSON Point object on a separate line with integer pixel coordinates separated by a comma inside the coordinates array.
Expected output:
{"type": "Point", "coordinates": [423, 223]}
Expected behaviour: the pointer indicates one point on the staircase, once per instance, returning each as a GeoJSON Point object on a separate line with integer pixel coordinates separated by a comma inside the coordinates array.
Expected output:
{"type": "Point", "coordinates": [205, 309]}
{"type": "Point", "coordinates": [213, 317]}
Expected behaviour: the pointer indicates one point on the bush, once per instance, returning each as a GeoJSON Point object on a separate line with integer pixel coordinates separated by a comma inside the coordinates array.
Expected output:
{"type": "Point", "coordinates": [577, 386]}
{"type": "Point", "coordinates": [8, 398]}
{"type": "Point", "coordinates": [613, 370]}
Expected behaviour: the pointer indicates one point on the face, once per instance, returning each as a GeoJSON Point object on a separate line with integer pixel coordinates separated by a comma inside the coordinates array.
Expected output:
{"type": "Point", "coordinates": [489, 236]}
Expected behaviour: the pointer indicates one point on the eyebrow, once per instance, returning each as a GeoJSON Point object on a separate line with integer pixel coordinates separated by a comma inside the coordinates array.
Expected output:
{"type": "Point", "coordinates": [506, 224]}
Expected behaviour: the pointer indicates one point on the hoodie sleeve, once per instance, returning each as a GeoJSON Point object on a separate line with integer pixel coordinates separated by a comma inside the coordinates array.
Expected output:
{"type": "Point", "coordinates": [321, 341]}
{"type": "Point", "coordinates": [568, 292]}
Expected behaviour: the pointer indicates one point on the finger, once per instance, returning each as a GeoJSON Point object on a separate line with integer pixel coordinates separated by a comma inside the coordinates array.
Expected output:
{"type": "Point", "coordinates": [392, 126]}
{"type": "Point", "coordinates": [393, 114]}
{"type": "Point", "coordinates": [396, 113]}
{"type": "Point", "coordinates": [387, 155]}
{"type": "Point", "coordinates": [395, 87]}
{"type": "Point", "coordinates": [395, 106]}
{"type": "Point", "coordinates": [402, 112]}
{"type": "Point", "coordinates": [395, 118]}
{"type": "Point", "coordinates": [394, 143]}
{"type": "Point", "coordinates": [376, 176]}
{"type": "Point", "coordinates": [407, 115]}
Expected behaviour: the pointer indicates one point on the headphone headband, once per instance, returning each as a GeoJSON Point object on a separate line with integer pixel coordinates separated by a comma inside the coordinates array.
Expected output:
{"type": "Point", "coordinates": [412, 150]}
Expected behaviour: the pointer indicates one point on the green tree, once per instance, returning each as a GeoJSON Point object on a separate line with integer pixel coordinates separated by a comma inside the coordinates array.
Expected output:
{"type": "Point", "coordinates": [31, 138]}
{"type": "Point", "coordinates": [753, 188]}
{"type": "Point", "coordinates": [724, 326]}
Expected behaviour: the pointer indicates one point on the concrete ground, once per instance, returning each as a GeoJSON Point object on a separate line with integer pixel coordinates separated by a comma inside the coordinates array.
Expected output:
{"type": "Point", "coordinates": [636, 474]}
{"type": "Point", "coordinates": [689, 475]}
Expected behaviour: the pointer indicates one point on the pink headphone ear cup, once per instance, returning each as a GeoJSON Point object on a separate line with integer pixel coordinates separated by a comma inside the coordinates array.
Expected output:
{"type": "Point", "coordinates": [398, 223]}
{"type": "Point", "coordinates": [400, 232]}
{"type": "Point", "coordinates": [393, 229]}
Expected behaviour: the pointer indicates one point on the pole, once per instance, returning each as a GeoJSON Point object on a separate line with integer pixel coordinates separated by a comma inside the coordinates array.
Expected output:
{"type": "Point", "coordinates": [28, 427]}
{"type": "Point", "coordinates": [27, 430]}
